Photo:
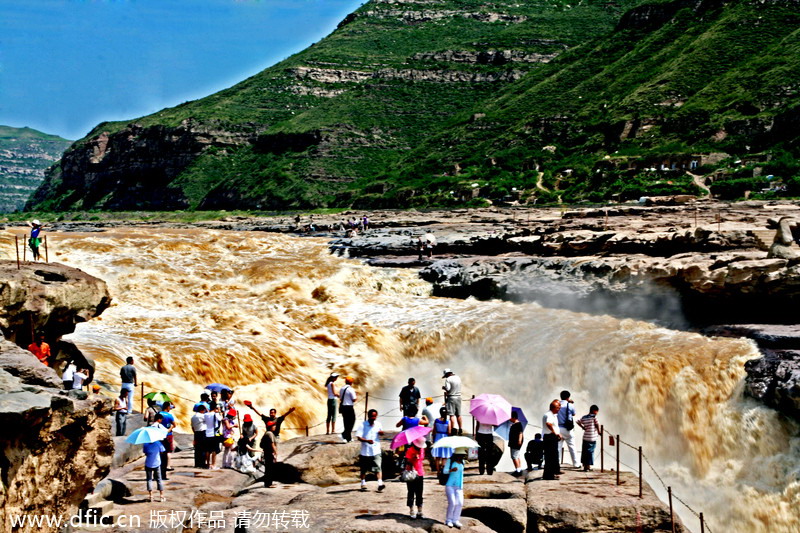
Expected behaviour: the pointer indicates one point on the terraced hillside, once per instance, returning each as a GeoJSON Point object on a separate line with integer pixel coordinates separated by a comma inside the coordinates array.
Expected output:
{"type": "Point", "coordinates": [680, 92]}
{"type": "Point", "coordinates": [347, 108]}
{"type": "Point", "coordinates": [24, 155]}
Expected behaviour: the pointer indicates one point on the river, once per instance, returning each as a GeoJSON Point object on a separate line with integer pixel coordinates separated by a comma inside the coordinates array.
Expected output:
{"type": "Point", "coordinates": [273, 315]}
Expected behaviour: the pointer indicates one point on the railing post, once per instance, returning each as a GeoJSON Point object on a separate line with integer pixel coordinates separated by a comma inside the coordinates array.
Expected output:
{"type": "Point", "coordinates": [46, 258]}
{"type": "Point", "coordinates": [366, 406]}
{"type": "Point", "coordinates": [671, 514]}
{"type": "Point", "coordinates": [602, 449]}
{"type": "Point", "coordinates": [473, 418]}
{"type": "Point", "coordinates": [16, 245]}
{"type": "Point", "coordinates": [25, 249]}
{"type": "Point", "coordinates": [141, 400]}
{"type": "Point", "coordinates": [702, 524]}
{"type": "Point", "coordinates": [640, 471]}
{"type": "Point", "coordinates": [306, 430]}
{"type": "Point", "coordinates": [618, 446]}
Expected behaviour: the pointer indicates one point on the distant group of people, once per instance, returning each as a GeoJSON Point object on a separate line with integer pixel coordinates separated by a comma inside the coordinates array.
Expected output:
{"type": "Point", "coordinates": [425, 244]}
{"type": "Point", "coordinates": [558, 424]}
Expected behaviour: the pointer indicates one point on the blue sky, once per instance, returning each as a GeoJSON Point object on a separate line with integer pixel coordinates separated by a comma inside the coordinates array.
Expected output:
{"type": "Point", "coordinates": [66, 65]}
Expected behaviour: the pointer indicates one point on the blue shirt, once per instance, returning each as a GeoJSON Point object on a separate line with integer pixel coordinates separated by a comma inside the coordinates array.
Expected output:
{"type": "Point", "coordinates": [169, 420]}
{"type": "Point", "coordinates": [409, 422]}
{"type": "Point", "coordinates": [562, 413]}
{"type": "Point", "coordinates": [151, 452]}
{"type": "Point", "coordinates": [456, 479]}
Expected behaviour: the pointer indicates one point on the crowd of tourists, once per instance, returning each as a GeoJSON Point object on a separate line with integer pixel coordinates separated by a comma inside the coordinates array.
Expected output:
{"type": "Point", "coordinates": [219, 428]}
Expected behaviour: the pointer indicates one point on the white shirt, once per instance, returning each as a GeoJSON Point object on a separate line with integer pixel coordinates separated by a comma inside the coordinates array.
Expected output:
{"type": "Point", "coordinates": [348, 395]}
{"type": "Point", "coordinates": [452, 385]}
{"type": "Point", "coordinates": [68, 373]}
{"type": "Point", "coordinates": [77, 379]}
{"type": "Point", "coordinates": [121, 404]}
{"type": "Point", "coordinates": [212, 420]}
{"type": "Point", "coordinates": [486, 429]}
{"type": "Point", "coordinates": [550, 417]}
{"type": "Point", "coordinates": [199, 422]}
{"type": "Point", "coordinates": [370, 432]}
{"type": "Point", "coordinates": [331, 395]}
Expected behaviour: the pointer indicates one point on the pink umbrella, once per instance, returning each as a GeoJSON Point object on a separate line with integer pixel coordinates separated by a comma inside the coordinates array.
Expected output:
{"type": "Point", "coordinates": [408, 436]}
{"type": "Point", "coordinates": [490, 409]}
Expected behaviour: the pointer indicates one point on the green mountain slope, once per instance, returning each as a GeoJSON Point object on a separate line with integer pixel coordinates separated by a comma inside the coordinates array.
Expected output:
{"type": "Point", "coordinates": [678, 87]}
{"type": "Point", "coordinates": [345, 109]}
{"type": "Point", "coordinates": [24, 155]}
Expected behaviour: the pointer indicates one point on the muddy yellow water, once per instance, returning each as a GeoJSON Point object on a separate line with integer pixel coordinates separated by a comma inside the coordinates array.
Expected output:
{"type": "Point", "coordinates": [272, 316]}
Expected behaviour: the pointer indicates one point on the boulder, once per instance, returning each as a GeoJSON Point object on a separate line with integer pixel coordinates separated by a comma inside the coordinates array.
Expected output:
{"type": "Point", "coordinates": [47, 297]}
{"type": "Point", "coordinates": [586, 502]}
{"type": "Point", "coordinates": [775, 380]}
{"type": "Point", "coordinates": [55, 445]}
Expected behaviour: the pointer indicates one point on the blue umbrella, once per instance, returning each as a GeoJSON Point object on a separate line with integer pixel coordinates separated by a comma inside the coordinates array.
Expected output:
{"type": "Point", "coordinates": [146, 435]}
{"type": "Point", "coordinates": [504, 428]}
{"type": "Point", "coordinates": [216, 387]}
{"type": "Point", "coordinates": [200, 404]}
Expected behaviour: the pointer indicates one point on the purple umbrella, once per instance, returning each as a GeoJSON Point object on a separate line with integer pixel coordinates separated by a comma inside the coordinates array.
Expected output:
{"type": "Point", "coordinates": [216, 387]}
{"type": "Point", "coordinates": [490, 409]}
{"type": "Point", "coordinates": [408, 436]}
{"type": "Point", "coordinates": [504, 428]}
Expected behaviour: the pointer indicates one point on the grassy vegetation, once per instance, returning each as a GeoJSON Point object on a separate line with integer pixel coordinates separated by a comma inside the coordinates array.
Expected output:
{"type": "Point", "coordinates": [691, 79]}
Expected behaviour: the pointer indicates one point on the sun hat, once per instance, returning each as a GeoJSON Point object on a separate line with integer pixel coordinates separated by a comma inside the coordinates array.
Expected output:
{"type": "Point", "coordinates": [37, 223]}
{"type": "Point", "coordinates": [446, 371]}
{"type": "Point", "coordinates": [232, 412]}
{"type": "Point", "coordinates": [334, 375]}
{"type": "Point", "coordinates": [248, 418]}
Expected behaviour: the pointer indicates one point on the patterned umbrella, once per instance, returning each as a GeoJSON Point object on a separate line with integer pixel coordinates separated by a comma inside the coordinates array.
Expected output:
{"type": "Point", "coordinates": [490, 409]}
{"type": "Point", "coordinates": [454, 442]}
{"type": "Point", "coordinates": [404, 438]}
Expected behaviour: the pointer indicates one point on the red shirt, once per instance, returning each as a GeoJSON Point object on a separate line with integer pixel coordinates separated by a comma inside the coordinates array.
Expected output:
{"type": "Point", "coordinates": [41, 352]}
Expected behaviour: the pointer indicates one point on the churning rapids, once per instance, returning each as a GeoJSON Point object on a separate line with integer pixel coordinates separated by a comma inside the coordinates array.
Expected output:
{"type": "Point", "coordinates": [271, 315]}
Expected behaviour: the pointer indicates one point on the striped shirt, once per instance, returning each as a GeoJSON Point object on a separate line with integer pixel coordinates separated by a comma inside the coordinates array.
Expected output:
{"type": "Point", "coordinates": [591, 427]}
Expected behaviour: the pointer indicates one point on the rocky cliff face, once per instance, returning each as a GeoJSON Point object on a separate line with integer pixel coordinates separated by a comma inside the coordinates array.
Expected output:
{"type": "Point", "coordinates": [24, 156]}
{"type": "Point", "coordinates": [54, 445]}
{"type": "Point", "coordinates": [391, 74]}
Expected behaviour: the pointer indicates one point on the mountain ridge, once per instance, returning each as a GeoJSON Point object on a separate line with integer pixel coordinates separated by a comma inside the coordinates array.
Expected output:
{"type": "Point", "coordinates": [364, 117]}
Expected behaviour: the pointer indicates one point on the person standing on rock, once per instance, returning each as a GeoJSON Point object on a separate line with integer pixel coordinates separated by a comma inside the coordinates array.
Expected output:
{"type": "Point", "coordinates": [269, 445]}
{"type": "Point", "coordinates": [591, 431]}
{"type": "Point", "coordinates": [441, 429]}
{"type": "Point", "coordinates": [128, 375]}
{"type": "Point", "coordinates": [199, 430]}
{"type": "Point", "coordinates": [515, 439]}
{"type": "Point", "coordinates": [152, 467]}
{"type": "Point", "coordinates": [566, 423]}
{"type": "Point", "coordinates": [66, 377]}
{"type": "Point", "coordinates": [40, 349]}
{"type": "Point", "coordinates": [410, 395]}
{"type": "Point", "coordinates": [330, 387]}
{"type": "Point", "coordinates": [35, 241]}
{"type": "Point", "coordinates": [229, 438]}
{"type": "Point", "coordinates": [347, 400]}
{"type": "Point", "coordinates": [121, 412]}
{"type": "Point", "coordinates": [454, 489]}
{"type": "Point", "coordinates": [483, 436]}
{"type": "Point", "coordinates": [415, 460]}
{"type": "Point", "coordinates": [273, 417]}
{"type": "Point", "coordinates": [213, 420]}
{"type": "Point", "coordinates": [79, 377]}
{"type": "Point", "coordinates": [552, 465]}
{"type": "Point", "coordinates": [452, 399]}
{"type": "Point", "coordinates": [150, 413]}
{"type": "Point", "coordinates": [168, 421]}
{"type": "Point", "coordinates": [370, 457]}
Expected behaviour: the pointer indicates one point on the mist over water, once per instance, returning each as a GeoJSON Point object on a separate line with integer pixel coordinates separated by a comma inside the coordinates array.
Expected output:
{"type": "Point", "coordinates": [272, 315]}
